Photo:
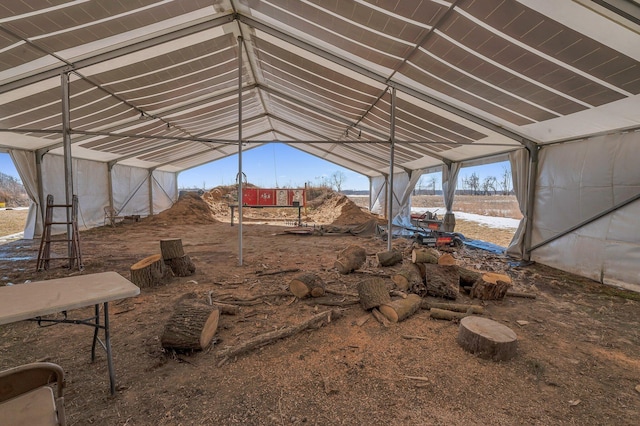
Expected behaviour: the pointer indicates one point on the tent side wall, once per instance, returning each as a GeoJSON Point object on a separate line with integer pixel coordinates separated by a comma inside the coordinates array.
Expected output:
{"type": "Point", "coordinates": [577, 182]}
{"type": "Point", "coordinates": [134, 190]}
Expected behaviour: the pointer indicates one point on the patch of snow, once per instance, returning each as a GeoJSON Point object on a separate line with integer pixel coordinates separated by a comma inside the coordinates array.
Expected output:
{"type": "Point", "coordinates": [490, 221]}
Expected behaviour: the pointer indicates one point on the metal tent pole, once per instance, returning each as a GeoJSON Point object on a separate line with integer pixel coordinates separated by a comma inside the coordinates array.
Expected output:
{"type": "Point", "coordinates": [239, 177]}
{"type": "Point", "coordinates": [531, 197]}
{"type": "Point", "coordinates": [392, 136]}
{"type": "Point", "coordinates": [68, 162]}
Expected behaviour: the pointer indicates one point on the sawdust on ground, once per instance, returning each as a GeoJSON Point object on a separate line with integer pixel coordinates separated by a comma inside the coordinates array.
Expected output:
{"type": "Point", "coordinates": [577, 361]}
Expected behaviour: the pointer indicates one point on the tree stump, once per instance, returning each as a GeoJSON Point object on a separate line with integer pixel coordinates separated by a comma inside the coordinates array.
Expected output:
{"type": "Point", "coordinates": [425, 255]}
{"type": "Point", "coordinates": [191, 327]}
{"type": "Point", "coordinates": [442, 281]}
{"type": "Point", "coordinates": [389, 258]}
{"type": "Point", "coordinates": [487, 339]}
{"type": "Point", "coordinates": [491, 286]}
{"type": "Point", "coordinates": [171, 248]}
{"type": "Point", "coordinates": [401, 309]}
{"type": "Point", "coordinates": [373, 293]}
{"type": "Point", "coordinates": [350, 259]}
{"type": "Point", "coordinates": [181, 266]}
{"type": "Point", "coordinates": [307, 284]}
{"type": "Point", "coordinates": [408, 277]}
{"type": "Point", "coordinates": [149, 272]}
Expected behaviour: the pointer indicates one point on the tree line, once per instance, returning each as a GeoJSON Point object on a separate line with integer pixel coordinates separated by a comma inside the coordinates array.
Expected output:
{"type": "Point", "coordinates": [470, 184]}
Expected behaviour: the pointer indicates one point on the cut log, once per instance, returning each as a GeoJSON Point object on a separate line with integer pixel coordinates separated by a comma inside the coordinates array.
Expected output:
{"type": "Point", "coordinates": [307, 284]}
{"type": "Point", "coordinates": [408, 277]}
{"type": "Point", "coordinates": [381, 318]}
{"type": "Point", "coordinates": [401, 309]}
{"type": "Point", "coordinates": [511, 293]}
{"type": "Point", "coordinates": [272, 336]}
{"type": "Point", "coordinates": [149, 272]}
{"type": "Point", "coordinates": [181, 266]}
{"type": "Point", "coordinates": [171, 248]}
{"type": "Point", "coordinates": [227, 309]}
{"type": "Point", "coordinates": [442, 281]}
{"type": "Point", "coordinates": [425, 255]}
{"type": "Point", "coordinates": [487, 339]}
{"type": "Point", "coordinates": [446, 260]}
{"type": "Point", "coordinates": [191, 327]}
{"type": "Point", "coordinates": [350, 259]}
{"type": "Point", "coordinates": [456, 307]}
{"type": "Point", "coordinates": [444, 314]}
{"type": "Point", "coordinates": [468, 277]}
{"type": "Point", "coordinates": [491, 286]}
{"type": "Point", "coordinates": [373, 292]}
{"type": "Point", "coordinates": [389, 258]}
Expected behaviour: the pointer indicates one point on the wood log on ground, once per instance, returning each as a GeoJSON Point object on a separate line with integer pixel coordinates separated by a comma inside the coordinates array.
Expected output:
{"type": "Point", "coordinates": [307, 284]}
{"type": "Point", "coordinates": [350, 259]}
{"type": "Point", "coordinates": [487, 339]}
{"type": "Point", "coordinates": [444, 314]}
{"type": "Point", "coordinates": [442, 281]}
{"type": "Point", "coordinates": [181, 266]}
{"type": "Point", "coordinates": [468, 277]}
{"type": "Point", "coordinates": [272, 336]}
{"type": "Point", "coordinates": [491, 286]}
{"type": "Point", "coordinates": [425, 255]}
{"type": "Point", "coordinates": [446, 260]}
{"type": "Point", "coordinates": [171, 248]}
{"type": "Point", "coordinates": [389, 258]}
{"type": "Point", "coordinates": [149, 272]}
{"type": "Point", "coordinates": [380, 318]}
{"type": "Point", "coordinates": [511, 293]}
{"type": "Point", "coordinates": [408, 277]}
{"type": "Point", "coordinates": [373, 292]}
{"type": "Point", "coordinates": [191, 327]}
{"type": "Point", "coordinates": [456, 307]}
{"type": "Point", "coordinates": [401, 309]}
{"type": "Point", "coordinates": [227, 309]}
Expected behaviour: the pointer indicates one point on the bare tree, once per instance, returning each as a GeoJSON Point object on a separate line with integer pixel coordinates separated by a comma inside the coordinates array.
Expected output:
{"type": "Point", "coordinates": [337, 180]}
{"type": "Point", "coordinates": [505, 181]}
{"type": "Point", "coordinates": [473, 182]}
{"type": "Point", "coordinates": [431, 183]}
{"type": "Point", "coordinates": [489, 184]}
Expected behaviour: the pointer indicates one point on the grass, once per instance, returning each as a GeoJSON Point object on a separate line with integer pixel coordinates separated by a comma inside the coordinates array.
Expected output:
{"type": "Point", "coordinates": [12, 221]}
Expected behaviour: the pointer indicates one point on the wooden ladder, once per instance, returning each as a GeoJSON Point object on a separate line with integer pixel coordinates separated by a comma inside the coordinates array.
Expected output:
{"type": "Point", "coordinates": [74, 256]}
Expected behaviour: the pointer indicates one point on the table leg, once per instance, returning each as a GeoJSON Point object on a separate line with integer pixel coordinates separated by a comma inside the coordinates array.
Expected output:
{"type": "Point", "coordinates": [107, 344]}
{"type": "Point", "coordinates": [231, 215]}
{"type": "Point", "coordinates": [95, 333]}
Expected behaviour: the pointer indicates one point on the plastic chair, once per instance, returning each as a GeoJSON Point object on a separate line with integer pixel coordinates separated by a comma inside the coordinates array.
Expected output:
{"type": "Point", "coordinates": [26, 398]}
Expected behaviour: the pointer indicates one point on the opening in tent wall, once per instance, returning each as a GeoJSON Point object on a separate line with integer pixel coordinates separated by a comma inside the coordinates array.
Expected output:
{"type": "Point", "coordinates": [576, 182]}
{"type": "Point", "coordinates": [130, 187]}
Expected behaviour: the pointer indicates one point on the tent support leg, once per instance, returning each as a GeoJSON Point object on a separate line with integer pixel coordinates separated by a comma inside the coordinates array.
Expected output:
{"type": "Point", "coordinates": [239, 178]}
{"type": "Point", "coordinates": [531, 196]}
{"type": "Point", "coordinates": [392, 137]}
{"type": "Point", "coordinates": [68, 161]}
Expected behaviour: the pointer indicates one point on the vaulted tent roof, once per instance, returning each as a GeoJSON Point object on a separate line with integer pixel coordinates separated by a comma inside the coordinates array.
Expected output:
{"type": "Point", "coordinates": [154, 83]}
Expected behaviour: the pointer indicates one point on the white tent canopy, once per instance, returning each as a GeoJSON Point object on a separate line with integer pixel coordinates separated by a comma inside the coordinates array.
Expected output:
{"type": "Point", "coordinates": [154, 89]}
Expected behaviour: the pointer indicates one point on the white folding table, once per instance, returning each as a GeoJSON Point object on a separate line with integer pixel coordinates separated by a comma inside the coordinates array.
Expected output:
{"type": "Point", "coordinates": [33, 301]}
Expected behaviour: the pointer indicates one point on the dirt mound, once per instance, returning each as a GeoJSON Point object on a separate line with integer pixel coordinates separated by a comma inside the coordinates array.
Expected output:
{"type": "Point", "coordinates": [190, 208]}
{"type": "Point", "coordinates": [338, 209]}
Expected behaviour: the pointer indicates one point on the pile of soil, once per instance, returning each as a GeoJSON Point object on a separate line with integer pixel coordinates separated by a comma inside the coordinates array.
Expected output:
{"type": "Point", "coordinates": [190, 208]}
{"type": "Point", "coordinates": [326, 208]}
{"type": "Point", "coordinates": [337, 209]}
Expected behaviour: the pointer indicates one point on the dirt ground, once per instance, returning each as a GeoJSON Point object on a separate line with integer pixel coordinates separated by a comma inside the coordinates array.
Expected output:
{"type": "Point", "coordinates": [577, 363]}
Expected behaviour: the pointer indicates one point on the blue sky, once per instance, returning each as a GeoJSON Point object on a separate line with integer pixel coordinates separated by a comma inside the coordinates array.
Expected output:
{"type": "Point", "coordinates": [279, 165]}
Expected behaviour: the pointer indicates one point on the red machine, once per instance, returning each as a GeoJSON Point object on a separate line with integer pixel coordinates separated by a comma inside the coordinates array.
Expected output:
{"type": "Point", "coordinates": [261, 197]}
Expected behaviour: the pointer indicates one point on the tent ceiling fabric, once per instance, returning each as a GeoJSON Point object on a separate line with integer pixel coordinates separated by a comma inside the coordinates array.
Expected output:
{"type": "Point", "coordinates": [154, 83]}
